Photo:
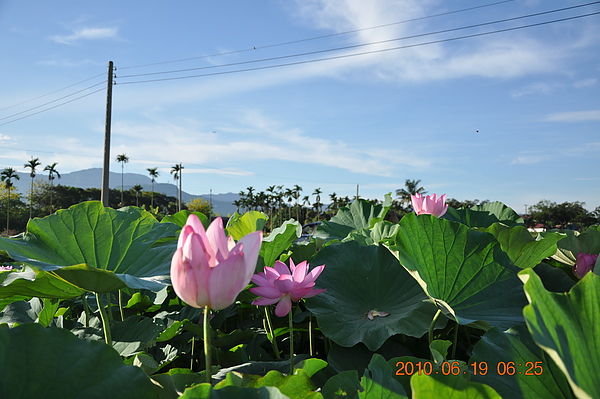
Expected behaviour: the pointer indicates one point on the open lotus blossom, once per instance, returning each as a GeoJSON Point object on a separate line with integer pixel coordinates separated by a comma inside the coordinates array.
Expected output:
{"type": "Point", "coordinates": [209, 268]}
{"type": "Point", "coordinates": [284, 285]}
{"type": "Point", "coordinates": [584, 263]}
{"type": "Point", "coordinates": [429, 205]}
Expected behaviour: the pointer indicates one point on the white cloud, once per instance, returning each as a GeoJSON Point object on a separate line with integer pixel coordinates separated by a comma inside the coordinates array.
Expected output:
{"type": "Point", "coordinates": [261, 139]}
{"type": "Point", "coordinates": [506, 55]}
{"type": "Point", "coordinates": [4, 139]}
{"type": "Point", "coordinates": [575, 116]}
{"type": "Point", "coordinates": [536, 88]}
{"type": "Point", "coordinates": [585, 83]}
{"type": "Point", "coordinates": [87, 34]}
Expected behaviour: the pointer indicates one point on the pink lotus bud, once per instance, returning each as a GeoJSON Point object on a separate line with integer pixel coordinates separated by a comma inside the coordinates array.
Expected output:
{"type": "Point", "coordinates": [584, 263]}
{"type": "Point", "coordinates": [284, 285]}
{"type": "Point", "coordinates": [429, 204]}
{"type": "Point", "coordinates": [209, 268]}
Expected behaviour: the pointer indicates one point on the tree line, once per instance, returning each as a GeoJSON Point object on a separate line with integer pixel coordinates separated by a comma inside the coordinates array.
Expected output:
{"type": "Point", "coordinates": [278, 202]}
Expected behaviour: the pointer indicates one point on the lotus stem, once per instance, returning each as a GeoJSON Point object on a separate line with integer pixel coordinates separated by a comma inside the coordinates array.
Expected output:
{"type": "Point", "coordinates": [105, 322]}
{"type": "Point", "coordinates": [455, 340]}
{"type": "Point", "coordinates": [432, 325]}
{"type": "Point", "coordinates": [310, 336]}
{"type": "Point", "coordinates": [291, 343]}
{"type": "Point", "coordinates": [271, 332]}
{"type": "Point", "coordinates": [86, 309]}
{"type": "Point", "coordinates": [192, 354]}
{"type": "Point", "coordinates": [207, 351]}
{"type": "Point", "coordinates": [121, 305]}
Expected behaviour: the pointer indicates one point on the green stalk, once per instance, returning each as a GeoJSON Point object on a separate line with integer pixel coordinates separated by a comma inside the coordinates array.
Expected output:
{"type": "Point", "coordinates": [310, 336]}
{"type": "Point", "coordinates": [104, 317]}
{"type": "Point", "coordinates": [192, 354]}
{"type": "Point", "coordinates": [121, 305]}
{"type": "Point", "coordinates": [207, 351]}
{"type": "Point", "coordinates": [291, 343]}
{"type": "Point", "coordinates": [432, 325]}
{"type": "Point", "coordinates": [271, 332]}
{"type": "Point", "coordinates": [455, 340]}
{"type": "Point", "coordinates": [86, 309]}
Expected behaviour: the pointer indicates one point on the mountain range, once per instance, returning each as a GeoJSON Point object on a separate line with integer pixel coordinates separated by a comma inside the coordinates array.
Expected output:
{"type": "Point", "coordinates": [92, 178]}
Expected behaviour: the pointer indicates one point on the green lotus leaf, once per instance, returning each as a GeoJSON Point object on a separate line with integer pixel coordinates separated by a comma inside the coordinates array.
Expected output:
{"type": "Point", "coordinates": [523, 250]}
{"type": "Point", "coordinates": [205, 391]}
{"type": "Point", "coordinates": [364, 283]}
{"type": "Point", "coordinates": [534, 373]}
{"type": "Point", "coordinates": [463, 270]}
{"type": "Point", "coordinates": [136, 334]}
{"type": "Point", "coordinates": [240, 225]}
{"type": "Point", "coordinates": [181, 217]}
{"type": "Point", "coordinates": [38, 362]}
{"type": "Point", "coordinates": [449, 386]}
{"type": "Point", "coordinates": [484, 215]}
{"type": "Point", "coordinates": [587, 242]}
{"type": "Point", "coordinates": [343, 385]}
{"type": "Point", "coordinates": [280, 240]}
{"type": "Point", "coordinates": [381, 232]}
{"type": "Point", "coordinates": [128, 242]}
{"type": "Point", "coordinates": [39, 283]}
{"type": "Point", "coordinates": [567, 327]}
{"type": "Point", "coordinates": [360, 214]}
{"type": "Point", "coordinates": [378, 381]}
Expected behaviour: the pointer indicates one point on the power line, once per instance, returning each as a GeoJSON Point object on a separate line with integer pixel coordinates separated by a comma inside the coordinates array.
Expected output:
{"type": "Point", "coordinates": [52, 92]}
{"type": "Point", "coordinates": [56, 106]}
{"type": "Point", "coordinates": [353, 54]}
{"type": "Point", "coordinates": [318, 37]}
{"type": "Point", "coordinates": [53, 101]}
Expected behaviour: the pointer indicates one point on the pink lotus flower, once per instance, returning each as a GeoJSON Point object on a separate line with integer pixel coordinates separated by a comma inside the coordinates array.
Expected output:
{"type": "Point", "coordinates": [584, 264]}
{"type": "Point", "coordinates": [210, 269]}
{"type": "Point", "coordinates": [284, 285]}
{"type": "Point", "coordinates": [429, 205]}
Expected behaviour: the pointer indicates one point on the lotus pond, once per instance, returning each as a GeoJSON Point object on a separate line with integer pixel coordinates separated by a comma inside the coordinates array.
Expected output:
{"type": "Point", "coordinates": [470, 304]}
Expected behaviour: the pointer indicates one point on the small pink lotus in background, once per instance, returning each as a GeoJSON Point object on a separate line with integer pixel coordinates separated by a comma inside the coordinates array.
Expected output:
{"type": "Point", "coordinates": [429, 205]}
{"type": "Point", "coordinates": [209, 268]}
{"type": "Point", "coordinates": [284, 285]}
{"type": "Point", "coordinates": [5, 268]}
{"type": "Point", "coordinates": [584, 264]}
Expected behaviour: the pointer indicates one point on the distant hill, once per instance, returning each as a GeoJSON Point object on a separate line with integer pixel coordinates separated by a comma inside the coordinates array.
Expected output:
{"type": "Point", "coordinates": [90, 178]}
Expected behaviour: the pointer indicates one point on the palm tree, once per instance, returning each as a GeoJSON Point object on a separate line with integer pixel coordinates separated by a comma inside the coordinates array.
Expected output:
{"type": "Point", "coordinates": [138, 189]}
{"type": "Point", "coordinates": [51, 172]}
{"type": "Point", "coordinates": [317, 193]}
{"type": "Point", "coordinates": [153, 172]}
{"type": "Point", "coordinates": [123, 159]}
{"type": "Point", "coordinates": [411, 188]}
{"type": "Point", "coordinates": [296, 190]}
{"type": "Point", "coordinates": [32, 164]}
{"type": "Point", "coordinates": [7, 175]}
{"type": "Point", "coordinates": [176, 171]}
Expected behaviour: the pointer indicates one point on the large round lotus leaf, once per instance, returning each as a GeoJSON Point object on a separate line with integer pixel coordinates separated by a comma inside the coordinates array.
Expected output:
{"type": "Point", "coordinates": [524, 250]}
{"type": "Point", "coordinates": [464, 270]}
{"type": "Point", "coordinates": [587, 242]}
{"type": "Point", "coordinates": [369, 296]}
{"type": "Point", "coordinates": [360, 214]}
{"type": "Point", "coordinates": [484, 215]}
{"type": "Point", "coordinates": [128, 242]}
{"type": "Point", "coordinates": [535, 374]}
{"type": "Point", "coordinates": [567, 327]}
{"type": "Point", "coordinates": [38, 362]}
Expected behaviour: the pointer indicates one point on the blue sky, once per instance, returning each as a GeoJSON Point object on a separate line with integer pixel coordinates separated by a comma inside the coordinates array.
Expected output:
{"type": "Point", "coordinates": [511, 116]}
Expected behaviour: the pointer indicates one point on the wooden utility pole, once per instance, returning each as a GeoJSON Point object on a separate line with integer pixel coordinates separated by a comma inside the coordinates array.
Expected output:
{"type": "Point", "coordinates": [106, 166]}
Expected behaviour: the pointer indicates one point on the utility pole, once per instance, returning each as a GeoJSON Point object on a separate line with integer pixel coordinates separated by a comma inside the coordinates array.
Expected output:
{"type": "Point", "coordinates": [106, 167]}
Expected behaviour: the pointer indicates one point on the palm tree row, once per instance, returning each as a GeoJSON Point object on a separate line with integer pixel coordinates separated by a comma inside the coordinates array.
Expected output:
{"type": "Point", "coordinates": [154, 173]}
{"type": "Point", "coordinates": [281, 204]}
